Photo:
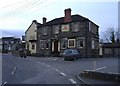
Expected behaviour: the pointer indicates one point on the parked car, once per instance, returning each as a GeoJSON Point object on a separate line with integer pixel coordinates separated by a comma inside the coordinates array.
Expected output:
{"type": "Point", "coordinates": [71, 54]}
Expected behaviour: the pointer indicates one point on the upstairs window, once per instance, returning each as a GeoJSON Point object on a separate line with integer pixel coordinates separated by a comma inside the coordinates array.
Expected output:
{"type": "Point", "coordinates": [44, 30]}
{"type": "Point", "coordinates": [89, 26]}
{"type": "Point", "coordinates": [75, 27]}
{"type": "Point", "coordinates": [56, 29]}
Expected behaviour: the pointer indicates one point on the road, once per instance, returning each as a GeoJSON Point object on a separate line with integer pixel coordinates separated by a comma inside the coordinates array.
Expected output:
{"type": "Point", "coordinates": [51, 70]}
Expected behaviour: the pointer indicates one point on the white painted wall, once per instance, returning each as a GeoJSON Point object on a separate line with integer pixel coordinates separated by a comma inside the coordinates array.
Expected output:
{"type": "Point", "coordinates": [31, 34]}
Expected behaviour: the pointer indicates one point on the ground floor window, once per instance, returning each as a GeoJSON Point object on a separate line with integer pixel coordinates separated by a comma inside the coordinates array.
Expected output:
{"type": "Point", "coordinates": [93, 44]}
{"type": "Point", "coordinates": [33, 46]}
{"type": "Point", "coordinates": [81, 42]}
{"type": "Point", "coordinates": [64, 43]}
{"type": "Point", "coordinates": [71, 43]}
{"type": "Point", "coordinates": [44, 44]}
{"type": "Point", "coordinates": [47, 45]}
{"type": "Point", "coordinates": [108, 51]}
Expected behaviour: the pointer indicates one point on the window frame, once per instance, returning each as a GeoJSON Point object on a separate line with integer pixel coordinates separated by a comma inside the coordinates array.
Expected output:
{"type": "Point", "coordinates": [64, 40]}
{"type": "Point", "coordinates": [56, 29]}
{"type": "Point", "coordinates": [69, 46]}
{"type": "Point", "coordinates": [74, 26]}
{"type": "Point", "coordinates": [33, 46]}
{"type": "Point", "coordinates": [47, 44]}
{"type": "Point", "coordinates": [44, 30]}
{"type": "Point", "coordinates": [93, 44]}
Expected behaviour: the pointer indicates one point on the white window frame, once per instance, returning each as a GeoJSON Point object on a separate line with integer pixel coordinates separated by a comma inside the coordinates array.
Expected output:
{"type": "Point", "coordinates": [93, 44]}
{"type": "Point", "coordinates": [89, 26]}
{"type": "Point", "coordinates": [69, 43]}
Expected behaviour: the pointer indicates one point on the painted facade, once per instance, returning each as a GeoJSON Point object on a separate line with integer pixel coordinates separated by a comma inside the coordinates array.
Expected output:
{"type": "Point", "coordinates": [31, 37]}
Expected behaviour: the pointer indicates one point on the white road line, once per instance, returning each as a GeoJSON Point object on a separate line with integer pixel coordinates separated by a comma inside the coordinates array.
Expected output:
{"type": "Point", "coordinates": [55, 59]}
{"type": "Point", "coordinates": [53, 68]}
{"type": "Point", "coordinates": [73, 81]}
{"type": "Point", "coordinates": [57, 70]}
{"type": "Point", "coordinates": [43, 63]}
{"type": "Point", "coordinates": [48, 65]}
{"type": "Point", "coordinates": [100, 68]}
{"type": "Point", "coordinates": [63, 74]}
{"type": "Point", "coordinates": [82, 80]}
{"type": "Point", "coordinates": [4, 83]}
{"type": "Point", "coordinates": [14, 70]}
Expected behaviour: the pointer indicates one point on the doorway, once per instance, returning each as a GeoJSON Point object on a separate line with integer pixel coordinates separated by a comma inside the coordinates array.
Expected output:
{"type": "Point", "coordinates": [55, 47]}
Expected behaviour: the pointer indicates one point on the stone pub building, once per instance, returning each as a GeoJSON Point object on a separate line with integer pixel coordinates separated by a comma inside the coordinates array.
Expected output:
{"type": "Point", "coordinates": [70, 31]}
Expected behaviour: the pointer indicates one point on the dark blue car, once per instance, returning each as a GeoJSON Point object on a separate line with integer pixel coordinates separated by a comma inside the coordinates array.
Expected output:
{"type": "Point", "coordinates": [71, 54]}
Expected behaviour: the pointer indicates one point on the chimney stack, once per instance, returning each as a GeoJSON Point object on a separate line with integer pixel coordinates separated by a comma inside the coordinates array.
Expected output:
{"type": "Point", "coordinates": [67, 17]}
{"type": "Point", "coordinates": [44, 20]}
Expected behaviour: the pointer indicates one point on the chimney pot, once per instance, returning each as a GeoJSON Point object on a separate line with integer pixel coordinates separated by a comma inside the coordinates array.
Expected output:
{"type": "Point", "coordinates": [44, 20]}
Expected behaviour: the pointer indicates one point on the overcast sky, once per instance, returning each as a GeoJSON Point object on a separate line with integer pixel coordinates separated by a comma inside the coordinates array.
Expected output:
{"type": "Point", "coordinates": [17, 15]}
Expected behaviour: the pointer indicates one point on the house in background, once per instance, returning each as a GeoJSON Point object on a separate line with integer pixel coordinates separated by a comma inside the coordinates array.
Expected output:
{"type": "Point", "coordinates": [10, 44]}
{"type": "Point", "coordinates": [0, 45]}
{"type": "Point", "coordinates": [111, 49]}
{"type": "Point", "coordinates": [31, 37]}
{"type": "Point", "coordinates": [70, 31]}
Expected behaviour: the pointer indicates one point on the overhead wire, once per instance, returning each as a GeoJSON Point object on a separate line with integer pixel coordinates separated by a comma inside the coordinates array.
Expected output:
{"type": "Point", "coordinates": [24, 7]}
{"type": "Point", "coordinates": [30, 7]}
{"type": "Point", "coordinates": [13, 4]}
{"type": "Point", "coordinates": [19, 8]}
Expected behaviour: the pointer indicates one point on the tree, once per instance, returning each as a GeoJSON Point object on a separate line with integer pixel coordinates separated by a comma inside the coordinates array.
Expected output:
{"type": "Point", "coordinates": [111, 35]}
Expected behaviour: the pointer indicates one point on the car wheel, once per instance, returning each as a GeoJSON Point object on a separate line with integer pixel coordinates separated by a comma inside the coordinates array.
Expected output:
{"type": "Point", "coordinates": [65, 59]}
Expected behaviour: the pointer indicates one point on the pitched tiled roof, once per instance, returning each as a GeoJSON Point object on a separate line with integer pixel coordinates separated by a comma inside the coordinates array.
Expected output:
{"type": "Point", "coordinates": [7, 38]}
{"type": "Point", "coordinates": [34, 21]}
{"type": "Point", "coordinates": [75, 18]}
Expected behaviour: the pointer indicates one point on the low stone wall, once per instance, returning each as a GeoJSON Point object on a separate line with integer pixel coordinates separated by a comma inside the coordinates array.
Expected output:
{"type": "Point", "coordinates": [101, 75]}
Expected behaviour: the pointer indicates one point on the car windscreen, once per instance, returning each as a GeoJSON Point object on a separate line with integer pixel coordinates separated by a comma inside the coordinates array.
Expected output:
{"type": "Point", "coordinates": [67, 51]}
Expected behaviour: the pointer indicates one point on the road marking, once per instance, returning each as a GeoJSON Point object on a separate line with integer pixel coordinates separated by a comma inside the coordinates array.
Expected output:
{"type": "Point", "coordinates": [14, 70]}
{"type": "Point", "coordinates": [82, 80]}
{"type": "Point", "coordinates": [48, 65]}
{"type": "Point", "coordinates": [73, 81]}
{"type": "Point", "coordinates": [57, 70]}
{"type": "Point", "coordinates": [100, 68]}
{"type": "Point", "coordinates": [55, 59]}
{"type": "Point", "coordinates": [43, 63]}
{"type": "Point", "coordinates": [4, 83]}
{"type": "Point", "coordinates": [53, 68]}
{"type": "Point", "coordinates": [63, 74]}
